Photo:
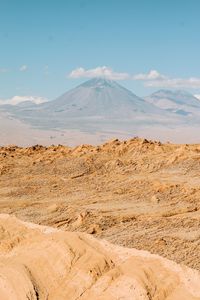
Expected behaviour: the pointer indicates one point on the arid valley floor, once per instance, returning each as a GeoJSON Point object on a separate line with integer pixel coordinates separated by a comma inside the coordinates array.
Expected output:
{"type": "Point", "coordinates": [137, 194]}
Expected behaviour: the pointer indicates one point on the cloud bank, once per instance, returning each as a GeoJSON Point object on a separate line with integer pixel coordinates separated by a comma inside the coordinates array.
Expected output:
{"type": "Point", "coordinates": [152, 75]}
{"type": "Point", "coordinates": [104, 71]}
{"type": "Point", "coordinates": [155, 79]}
{"type": "Point", "coordinates": [19, 99]}
{"type": "Point", "coordinates": [151, 79]}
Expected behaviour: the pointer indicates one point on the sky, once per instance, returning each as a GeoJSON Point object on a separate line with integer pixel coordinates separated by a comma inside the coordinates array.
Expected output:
{"type": "Point", "coordinates": [49, 46]}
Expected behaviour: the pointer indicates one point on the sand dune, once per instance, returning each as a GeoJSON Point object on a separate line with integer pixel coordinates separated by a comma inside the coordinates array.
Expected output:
{"type": "Point", "coordinates": [40, 262]}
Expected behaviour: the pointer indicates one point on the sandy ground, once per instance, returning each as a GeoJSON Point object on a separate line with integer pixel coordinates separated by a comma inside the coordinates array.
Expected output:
{"type": "Point", "coordinates": [40, 262]}
{"type": "Point", "coordinates": [135, 193]}
{"type": "Point", "coordinates": [13, 131]}
{"type": "Point", "coordinates": [18, 133]}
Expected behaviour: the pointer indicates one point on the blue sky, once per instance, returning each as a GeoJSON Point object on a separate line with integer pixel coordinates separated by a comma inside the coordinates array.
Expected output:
{"type": "Point", "coordinates": [156, 43]}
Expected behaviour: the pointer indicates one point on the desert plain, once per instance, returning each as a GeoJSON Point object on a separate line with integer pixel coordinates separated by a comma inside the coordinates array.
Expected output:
{"type": "Point", "coordinates": [116, 221]}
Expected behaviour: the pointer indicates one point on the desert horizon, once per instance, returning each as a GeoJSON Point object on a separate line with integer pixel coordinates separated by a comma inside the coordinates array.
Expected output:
{"type": "Point", "coordinates": [99, 150]}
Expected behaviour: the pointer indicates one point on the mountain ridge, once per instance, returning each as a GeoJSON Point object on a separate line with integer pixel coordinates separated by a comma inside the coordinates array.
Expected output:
{"type": "Point", "coordinates": [175, 100]}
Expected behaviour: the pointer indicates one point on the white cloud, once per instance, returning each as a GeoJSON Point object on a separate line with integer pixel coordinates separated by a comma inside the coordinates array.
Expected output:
{"type": "Point", "coordinates": [151, 79]}
{"type": "Point", "coordinates": [98, 72]}
{"type": "Point", "coordinates": [155, 79]}
{"type": "Point", "coordinates": [152, 75]}
{"type": "Point", "coordinates": [23, 68]}
{"type": "Point", "coordinates": [197, 96]}
{"type": "Point", "coordinates": [19, 99]}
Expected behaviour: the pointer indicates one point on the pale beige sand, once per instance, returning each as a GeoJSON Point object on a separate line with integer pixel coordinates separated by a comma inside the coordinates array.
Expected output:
{"type": "Point", "coordinates": [14, 131]}
{"type": "Point", "coordinates": [18, 133]}
{"type": "Point", "coordinates": [38, 262]}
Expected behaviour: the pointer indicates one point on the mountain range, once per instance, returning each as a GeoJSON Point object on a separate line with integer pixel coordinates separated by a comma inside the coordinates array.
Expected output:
{"type": "Point", "coordinates": [104, 106]}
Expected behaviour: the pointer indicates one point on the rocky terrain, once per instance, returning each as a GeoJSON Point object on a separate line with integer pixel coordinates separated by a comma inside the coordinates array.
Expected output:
{"type": "Point", "coordinates": [39, 262]}
{"type": "Point", "coordinates": [135, 193]}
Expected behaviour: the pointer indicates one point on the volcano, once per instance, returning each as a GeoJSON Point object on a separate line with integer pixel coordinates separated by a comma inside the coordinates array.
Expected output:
{"type": "Point", "coordinates": [105, 109]}
{"type": "Point", "coordinates": [99, 97]}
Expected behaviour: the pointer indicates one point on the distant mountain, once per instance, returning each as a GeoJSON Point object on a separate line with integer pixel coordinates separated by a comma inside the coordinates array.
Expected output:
{"type": "Point", "coordinates": [99, 98]}
{"type": "Point", "coordinates": [104, 108]}
{"type": "Point", "coordinates": [94, 105]}
{"type": "Point", "coordinates": [176, 101]}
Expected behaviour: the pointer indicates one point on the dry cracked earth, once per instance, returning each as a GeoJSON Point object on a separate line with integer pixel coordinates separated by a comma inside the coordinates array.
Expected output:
{"type": "Point", "coordinates": [137, 194]}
